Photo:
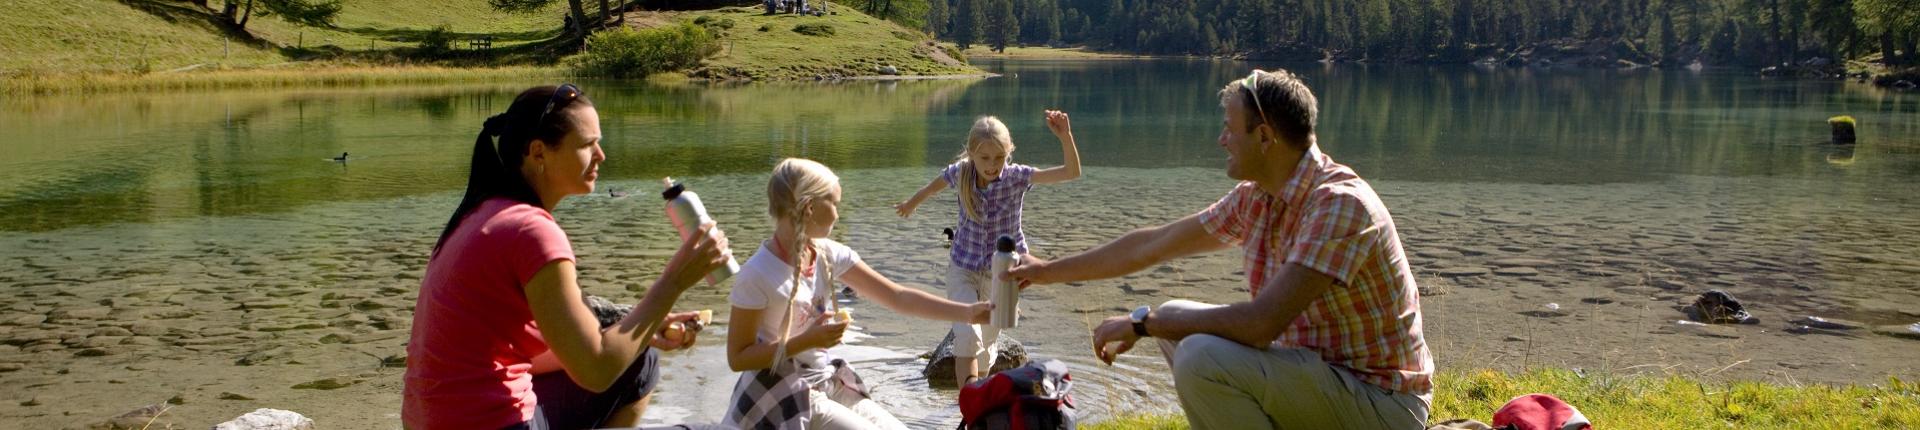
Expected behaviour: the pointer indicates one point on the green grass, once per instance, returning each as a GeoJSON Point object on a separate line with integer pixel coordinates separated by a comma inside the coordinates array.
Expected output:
{"type": "Point", "coordinates": [137, 36]}
{"type": "Point", "coordinates": [108, 36]}
{"type": "Point", "coordinates": [858, 45]}
{"type": "Point", "coordinates": [1669, 402]}
{"type": "Point", "coordinates": [117, 45]}
{"type": "Point", "coordinates": [301, 76]}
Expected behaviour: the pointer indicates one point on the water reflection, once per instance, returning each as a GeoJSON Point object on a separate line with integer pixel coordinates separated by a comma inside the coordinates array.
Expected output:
{"type": "Point", "coordinates": [102, 159]}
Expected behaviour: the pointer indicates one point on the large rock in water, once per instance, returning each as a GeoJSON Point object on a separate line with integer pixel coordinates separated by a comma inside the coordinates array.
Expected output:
{"type": "Point", "coordinates": [268, 419]}
{"type": "Point", "coordinates": [605, 310]}
{"type": "Point", "coordinates": [939, 370]}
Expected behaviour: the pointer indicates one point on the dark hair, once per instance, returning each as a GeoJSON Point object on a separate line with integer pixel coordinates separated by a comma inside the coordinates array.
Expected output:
{"type": "Point", "coordinates": [495, 169]}
{"type": "Point", "coordinates": [1279, 99]}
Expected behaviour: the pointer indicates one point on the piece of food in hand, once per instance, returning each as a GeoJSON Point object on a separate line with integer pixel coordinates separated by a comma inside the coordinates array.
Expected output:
{"type": "Point", "coordinates": [675, 332]}
{"type": "Point", "coordinates": [679, 331]}
{"type": "Point", "coordinates": [845, 316]}
{"type": "Point", "coordinates": [701, 320]}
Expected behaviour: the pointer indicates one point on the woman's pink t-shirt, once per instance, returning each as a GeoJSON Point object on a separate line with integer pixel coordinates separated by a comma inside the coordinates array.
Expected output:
{"type": "Point", "coordinates": [474, 338]}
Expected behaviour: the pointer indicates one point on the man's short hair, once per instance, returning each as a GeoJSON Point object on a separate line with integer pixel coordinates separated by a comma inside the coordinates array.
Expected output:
{"type": "Point", "coordinates": [1280, 99]}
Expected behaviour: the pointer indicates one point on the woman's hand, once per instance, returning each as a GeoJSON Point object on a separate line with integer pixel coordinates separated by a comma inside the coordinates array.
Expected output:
{"type": "Point", "coordinates": [1058, 123]}
{"type": "Point", "coordinates": [822, 332]}
{"type": "Point", "coordinates": [701, 253]}
{"type": "Point", "coordinates": [676, 333]}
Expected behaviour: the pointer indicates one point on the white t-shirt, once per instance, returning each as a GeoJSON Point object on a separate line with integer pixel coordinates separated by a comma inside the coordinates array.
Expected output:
{"type": "Point", "coordinates": [765, 281]}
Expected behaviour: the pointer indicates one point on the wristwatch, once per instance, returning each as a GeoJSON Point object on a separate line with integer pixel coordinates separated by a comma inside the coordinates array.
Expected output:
{"type": "Point", "coordinates": [1139, 317]}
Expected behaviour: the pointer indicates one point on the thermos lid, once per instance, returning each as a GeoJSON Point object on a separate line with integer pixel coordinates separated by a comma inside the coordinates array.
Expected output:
{"type": "Point", "coordinates": [673, 191]}
{"type": "Point", "coordinates": [1005, 244]}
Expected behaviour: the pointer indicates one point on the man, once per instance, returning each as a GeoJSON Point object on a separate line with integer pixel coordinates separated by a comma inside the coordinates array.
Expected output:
{"type": "Point", "coordinates": [1331, 337]}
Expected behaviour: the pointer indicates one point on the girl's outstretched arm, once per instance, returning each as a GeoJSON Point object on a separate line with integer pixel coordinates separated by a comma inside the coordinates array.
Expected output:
{"type": "Point", "coordinates": [1063, 129]}
{"type": "Point", "coordinates": [871, 284]}
{"type": "Point", "coordinates": [906, 208]}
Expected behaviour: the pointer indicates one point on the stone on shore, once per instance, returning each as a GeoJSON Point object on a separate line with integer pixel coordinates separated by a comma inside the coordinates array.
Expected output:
{"type": "Point", "coordinates": [268, 419]}
{"type": "Point", "coordinates": [939, 370]}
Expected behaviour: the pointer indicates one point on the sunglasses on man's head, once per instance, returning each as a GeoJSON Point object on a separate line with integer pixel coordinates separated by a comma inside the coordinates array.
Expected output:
{"type": "Point", "coordinates": [1247, 84]}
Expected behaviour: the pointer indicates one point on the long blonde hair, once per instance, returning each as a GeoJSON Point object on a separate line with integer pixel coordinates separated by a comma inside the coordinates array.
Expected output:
{"type": "Point", "coordinates": [796, 185]}
{"type": "Point", "coordinates": [986, 129]}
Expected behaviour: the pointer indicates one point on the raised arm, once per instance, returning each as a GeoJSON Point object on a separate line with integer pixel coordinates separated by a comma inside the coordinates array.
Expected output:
{"type": "Point", "coordinates": [1062, 129]}
{"type": "Point", "coordinates": [905, 209]}
{"type": "Point", "coordinates": [872, 285]}
{"type": "Point", "coordinates": [1130, 253]}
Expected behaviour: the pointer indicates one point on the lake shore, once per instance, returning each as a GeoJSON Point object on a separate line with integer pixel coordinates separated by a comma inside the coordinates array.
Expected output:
{"type": "Point", "coordinates": [293, 75]}
{"type": "Point", "coordinates": [208, 313]}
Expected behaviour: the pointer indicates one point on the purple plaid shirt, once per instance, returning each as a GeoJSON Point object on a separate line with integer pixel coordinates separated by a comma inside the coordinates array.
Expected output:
{"type": "Point", "coordinates": [999, 204]}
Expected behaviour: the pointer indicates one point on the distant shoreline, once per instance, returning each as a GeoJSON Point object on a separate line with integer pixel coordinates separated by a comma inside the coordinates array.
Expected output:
{"type": "Point", "coordinates": [319, 76]}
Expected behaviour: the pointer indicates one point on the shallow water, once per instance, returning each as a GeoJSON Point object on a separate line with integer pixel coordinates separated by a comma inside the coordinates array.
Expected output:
{"type": "Point", "coordinates": [152, 241]}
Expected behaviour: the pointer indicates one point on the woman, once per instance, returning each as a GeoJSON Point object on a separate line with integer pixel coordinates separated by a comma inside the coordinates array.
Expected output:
{"type": "Point", "coordinates": [500, 336]}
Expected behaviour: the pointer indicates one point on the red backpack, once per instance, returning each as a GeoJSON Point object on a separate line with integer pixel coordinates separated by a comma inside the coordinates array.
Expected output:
{"type": "Point", "coordinates": [1539, 412]}
{"type": "Point", "coordinates": [1031, 397]}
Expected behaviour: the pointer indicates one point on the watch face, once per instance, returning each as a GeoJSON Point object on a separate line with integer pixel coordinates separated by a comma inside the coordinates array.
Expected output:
{"type": "Point", "coordinates": [1139, 314]}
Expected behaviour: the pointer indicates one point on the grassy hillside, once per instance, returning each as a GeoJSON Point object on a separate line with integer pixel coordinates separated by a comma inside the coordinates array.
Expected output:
{"type": "Point", "coordinates": [759, 46]}
{"type": "Point", "coordinates": [107, 35]}
{"type": "Point", "coordinates": [89, 45]}
{"type": "Point", "coordinates": [89, 36]}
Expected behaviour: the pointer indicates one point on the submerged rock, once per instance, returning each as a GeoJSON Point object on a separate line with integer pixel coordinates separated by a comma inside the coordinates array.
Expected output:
{"type": "Point", "coordinates": [1719, 307]}
{"type": "Point", "coordinates": [1826, 323]}
{"type": "Point", "coordinates": [939, 370]}
{"type": "Point", "coordinates": [268, 419]}
{"type": "Point", "coordinates": [605, 310]}
{"type": "Point", "coordinates": [1909, 331]}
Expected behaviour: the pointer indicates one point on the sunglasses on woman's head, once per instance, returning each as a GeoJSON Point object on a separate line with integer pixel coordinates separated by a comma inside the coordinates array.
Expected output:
{"type": "Point", "coordinates": [562, 96]}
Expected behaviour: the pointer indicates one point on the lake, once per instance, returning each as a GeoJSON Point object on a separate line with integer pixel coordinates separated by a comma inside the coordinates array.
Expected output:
{"type": "Point", "coordinates": [207, 243]}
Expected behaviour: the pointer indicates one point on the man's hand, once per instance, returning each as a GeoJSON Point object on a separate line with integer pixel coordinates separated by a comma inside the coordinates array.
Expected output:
{"type": "Point", "coordinates": [1030, 270]}
{"type": "Point", "coordinates": [1113, 337]}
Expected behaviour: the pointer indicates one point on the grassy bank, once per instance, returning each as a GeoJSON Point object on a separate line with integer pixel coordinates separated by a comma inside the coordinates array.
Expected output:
{"type": "Point", "coordinates": [1670, 402]}
{"type": "Point", "coordinates": [321, 76]}
{"type": "Point", "coordinates": [794, 47]}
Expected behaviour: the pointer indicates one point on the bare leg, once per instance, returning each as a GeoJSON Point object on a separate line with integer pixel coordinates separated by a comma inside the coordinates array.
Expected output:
{"type": "Point", "coordinates": [964, 368]}
{"type": "Point", "coordinates": [629, 416]}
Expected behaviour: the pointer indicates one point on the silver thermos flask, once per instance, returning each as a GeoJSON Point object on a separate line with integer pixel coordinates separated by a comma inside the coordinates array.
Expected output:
{"type": "Point", "coordinates": [1006, 292]}
{"type": "Point", "coordinates": [684, 208]}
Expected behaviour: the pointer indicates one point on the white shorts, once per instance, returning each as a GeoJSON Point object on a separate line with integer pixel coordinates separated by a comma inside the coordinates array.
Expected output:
{"type": "Point", "coordinates": [967, 286]}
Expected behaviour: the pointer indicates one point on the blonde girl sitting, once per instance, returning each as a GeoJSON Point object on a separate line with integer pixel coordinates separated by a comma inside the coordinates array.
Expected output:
{"type": "Point", "coordinates": [782, 327]}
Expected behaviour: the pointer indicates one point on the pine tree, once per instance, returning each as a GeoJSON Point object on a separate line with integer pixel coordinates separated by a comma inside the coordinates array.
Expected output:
{"type": "Point", "coordinates": [1003, 27]}
{"type": "Point", "coordinates": [967, 21]}
{"type": "Point", "coordinates": [936, 17]}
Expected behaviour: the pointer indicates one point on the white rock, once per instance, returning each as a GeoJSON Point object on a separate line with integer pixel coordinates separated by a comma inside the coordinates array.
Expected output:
{"type": "Point", "coordinates": [268, 419]}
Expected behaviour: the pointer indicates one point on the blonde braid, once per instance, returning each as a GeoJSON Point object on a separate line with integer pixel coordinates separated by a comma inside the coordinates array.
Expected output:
{"type": "Point", "coordinates": [796, 184]}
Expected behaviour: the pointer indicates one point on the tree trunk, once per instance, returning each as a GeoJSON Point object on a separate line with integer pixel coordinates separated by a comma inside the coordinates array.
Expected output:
{"type": "Point", "coordinates": [246, 15]}
{"type": "Point", "coordinates": [606, 14]}
{"type": "Point", "coordinates": [579, 14]}
{"type": "Point", "coordinates": [1886, 48]}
